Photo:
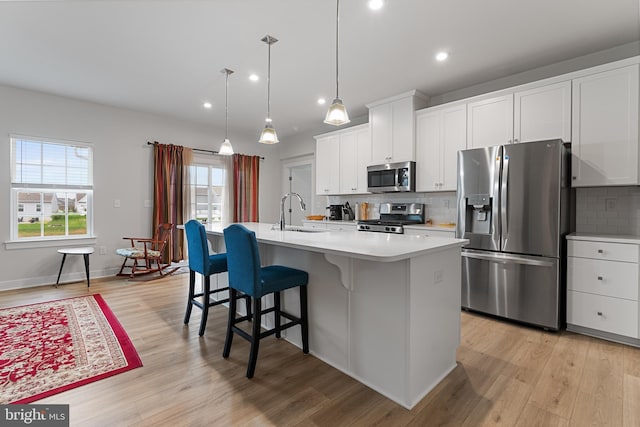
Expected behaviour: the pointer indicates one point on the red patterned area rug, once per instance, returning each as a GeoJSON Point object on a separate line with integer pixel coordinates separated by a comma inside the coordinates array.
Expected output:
{"type": "Point", "coordinates": [51, 347]}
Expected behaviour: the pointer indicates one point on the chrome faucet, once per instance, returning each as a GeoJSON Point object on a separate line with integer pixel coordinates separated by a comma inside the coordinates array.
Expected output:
{"type": "Point", "coordinates": [302, 206]}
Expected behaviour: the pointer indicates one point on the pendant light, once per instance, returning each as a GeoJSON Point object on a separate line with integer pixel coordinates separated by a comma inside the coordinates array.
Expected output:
{"type": "Point", "coordinates": [226, 149]}
{"type": "Point", "coordinates": [268, 135]}
{"type": "Point", "coordinates": [337, 113]}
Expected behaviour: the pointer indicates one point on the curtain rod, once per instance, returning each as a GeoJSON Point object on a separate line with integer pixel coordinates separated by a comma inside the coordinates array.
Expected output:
{"type": "Point", "coordinates": [215, 153]}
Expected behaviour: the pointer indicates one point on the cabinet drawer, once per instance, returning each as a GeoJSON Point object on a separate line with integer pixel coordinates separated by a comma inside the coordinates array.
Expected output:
{"type": "Point", "coordinates": [618, 316]}
{"type": "Point", "coordinates": [603, 250]}
{"type": "Point", "coordinates": [608, 278]}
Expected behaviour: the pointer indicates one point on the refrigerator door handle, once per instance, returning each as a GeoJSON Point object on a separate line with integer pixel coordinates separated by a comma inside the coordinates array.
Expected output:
{"type": "Point", "coordinates": [505, 259]}
{"type": "Point", "coordinates": [504, 202]}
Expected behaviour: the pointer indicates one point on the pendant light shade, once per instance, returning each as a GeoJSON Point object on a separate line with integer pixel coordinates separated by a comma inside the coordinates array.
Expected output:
{"type": "Point", "coordinates": [268, 135]}
{"type": "Point", "coordinates": [226, 149]}
{"type": "Point", "coordinates": [337, 113]}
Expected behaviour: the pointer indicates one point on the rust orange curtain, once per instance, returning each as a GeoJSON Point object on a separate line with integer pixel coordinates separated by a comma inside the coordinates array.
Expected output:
{"type": "Point", "coordinates": [168, 194]}
{"type": "Point", "coordinates": [246, 178]}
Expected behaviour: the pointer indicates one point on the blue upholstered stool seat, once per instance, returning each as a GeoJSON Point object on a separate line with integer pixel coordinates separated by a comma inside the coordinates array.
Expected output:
{"type": "Point", "coordinates": [201, 262]}
{"type": "Point", "coordinates": [247, 275]}
{"type": "Point", "coordinates": [276, 278]}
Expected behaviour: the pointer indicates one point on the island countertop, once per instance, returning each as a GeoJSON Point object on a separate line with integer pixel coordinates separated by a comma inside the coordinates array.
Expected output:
{"type": "Point", "coordinates": [382, 247]}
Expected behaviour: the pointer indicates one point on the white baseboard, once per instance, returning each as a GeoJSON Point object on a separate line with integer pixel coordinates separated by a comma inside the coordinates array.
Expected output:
{"type": "Point", "coordinates": [30, 282]}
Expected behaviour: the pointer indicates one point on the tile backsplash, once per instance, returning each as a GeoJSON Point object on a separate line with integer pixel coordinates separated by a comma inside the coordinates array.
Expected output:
{"type": "Point", "coordinates": [440, 207]}
{"type": "Point", "coordinates": [608, 210]}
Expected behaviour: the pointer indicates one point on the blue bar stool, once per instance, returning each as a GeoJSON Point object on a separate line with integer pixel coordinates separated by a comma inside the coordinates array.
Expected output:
{"type": "Point", "coordinates": [201, 262]}
{"type": "Point", "coordinates": [246, 275]}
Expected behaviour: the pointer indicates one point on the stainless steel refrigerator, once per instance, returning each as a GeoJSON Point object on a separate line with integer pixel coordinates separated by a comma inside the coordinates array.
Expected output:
{"type": "Point", "coordinates": [515, 205]}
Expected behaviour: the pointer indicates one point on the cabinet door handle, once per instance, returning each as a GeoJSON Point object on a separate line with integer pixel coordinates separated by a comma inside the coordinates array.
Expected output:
{"type": "Point", "coordinates": [599, 313]}
{"type": "Point", "coordinates": [574, 177]}
{"type": "Point", "coordinates": [599, 277]}
{"type": "Point", "coordinates": [515, 140]}
{"type": "Point", "coordinates": [600, 251]}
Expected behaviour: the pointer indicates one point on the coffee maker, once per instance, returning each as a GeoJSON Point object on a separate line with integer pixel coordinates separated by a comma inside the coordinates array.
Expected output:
{"type": "Point", "coordinates": [335, 212]}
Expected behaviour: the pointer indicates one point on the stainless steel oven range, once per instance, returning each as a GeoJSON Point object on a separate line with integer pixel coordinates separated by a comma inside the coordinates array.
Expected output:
{"type": "Point", "coordinates": [393, 216]}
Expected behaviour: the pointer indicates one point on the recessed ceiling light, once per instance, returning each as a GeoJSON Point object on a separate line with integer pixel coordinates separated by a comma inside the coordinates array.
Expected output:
{"type": "Point", "coordinates": [376, 4]}
{"type": "Point", "coordinates": [254, 77]}
{"type": "Point", "coordinates": [321, 101]}
{"type": "Point", "coordinates": [207, 105]}
{"type": "Point", "coordinates": [441, 56]}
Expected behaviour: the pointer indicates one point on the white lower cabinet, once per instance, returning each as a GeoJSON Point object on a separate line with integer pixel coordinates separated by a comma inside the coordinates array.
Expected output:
{"type": "Point", "coordinates": [602, 287]}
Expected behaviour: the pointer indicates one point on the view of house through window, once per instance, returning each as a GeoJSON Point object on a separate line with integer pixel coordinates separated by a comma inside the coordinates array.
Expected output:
{"type": "Point", "coordinates": [207, 190]}
{"type": "Point", "coordinates": [52, 188]}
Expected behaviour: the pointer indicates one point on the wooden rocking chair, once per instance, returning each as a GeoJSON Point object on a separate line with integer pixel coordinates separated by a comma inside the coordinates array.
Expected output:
{"type": "Point", "coordinates": [145, 255]}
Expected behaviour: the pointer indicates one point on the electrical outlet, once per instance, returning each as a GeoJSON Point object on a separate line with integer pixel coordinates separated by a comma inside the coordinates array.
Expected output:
{"type": "Point", "coordinates": [103, 250]}
{"type": "Point", "coordinates": [147, 203]}
{"type": "Point", "coordinates": [116, 203]}
{"type": "Point", "coordinates": [610, 204]}
{"type": "Point", "coordinates": [438, 276]}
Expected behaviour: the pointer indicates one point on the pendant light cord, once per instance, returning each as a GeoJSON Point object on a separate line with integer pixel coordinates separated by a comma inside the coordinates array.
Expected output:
{"type": "Point", "coordinates": [337, 33]}
{"type": "Point", "coordinates": [226, 107]}
{"type": "Point", "coordinates": [269, 80]}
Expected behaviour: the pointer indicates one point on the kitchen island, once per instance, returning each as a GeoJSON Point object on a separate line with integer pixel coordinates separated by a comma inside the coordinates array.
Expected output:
{"type": "Point", "coordinates": [383, 308]}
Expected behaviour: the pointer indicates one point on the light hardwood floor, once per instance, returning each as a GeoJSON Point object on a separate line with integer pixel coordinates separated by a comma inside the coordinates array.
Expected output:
{"type": "Point", "coordinates": [507, 374]}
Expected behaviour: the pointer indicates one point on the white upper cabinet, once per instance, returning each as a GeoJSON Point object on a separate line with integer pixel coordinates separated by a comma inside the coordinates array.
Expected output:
{"type": "Point", "coordinates": [536, 114]}
{"type": "Point", "coordinates": [490, 121]}
{"type": "Point", "coordinates": [440, 133]}
{"type": "Point", "coordinates": [605, 128]}
{"type": "Point", "coordinates": [392, 126]}
{"type": "Point", "coordinates": [341, 161]}
{"type": "Point", "coordinates": [328, 164]}
{"type": "Point", "coordinates": [543, 113]}
{"type": "Point", "coordinates": [355, 155]}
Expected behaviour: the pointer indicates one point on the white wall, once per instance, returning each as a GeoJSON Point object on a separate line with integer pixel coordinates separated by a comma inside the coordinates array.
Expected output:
{"type": "Point", "coordinates": [123, 166]}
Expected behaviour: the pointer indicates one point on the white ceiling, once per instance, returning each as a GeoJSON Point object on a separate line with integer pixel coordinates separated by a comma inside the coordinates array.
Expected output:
{"type": "Point", "coordinates": [165, 57]}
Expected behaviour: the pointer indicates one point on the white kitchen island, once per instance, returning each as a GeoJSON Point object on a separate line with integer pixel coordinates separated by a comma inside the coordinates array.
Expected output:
{"type": "Point", "coordinates": [383, 308]}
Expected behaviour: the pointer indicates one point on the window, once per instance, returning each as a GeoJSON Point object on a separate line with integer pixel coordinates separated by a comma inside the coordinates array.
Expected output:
{"type": "Point", "coordinates": [51, 189]}
{"type": "Point", "coordinates": [207, 186]}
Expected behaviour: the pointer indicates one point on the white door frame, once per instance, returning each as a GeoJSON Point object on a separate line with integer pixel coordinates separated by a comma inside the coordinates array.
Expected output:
{"type": "Point", "coordinates": [284, 177]}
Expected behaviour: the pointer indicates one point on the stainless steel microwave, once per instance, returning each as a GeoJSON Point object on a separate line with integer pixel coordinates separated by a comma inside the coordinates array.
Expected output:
{"type": "Point", "coordinates": [391, 177]}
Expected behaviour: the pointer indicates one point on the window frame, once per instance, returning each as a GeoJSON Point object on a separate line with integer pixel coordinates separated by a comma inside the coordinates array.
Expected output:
{"type": "Point", "coordinates": [16, 187]}
{"type": "Point", "coordinates": [209, 162]}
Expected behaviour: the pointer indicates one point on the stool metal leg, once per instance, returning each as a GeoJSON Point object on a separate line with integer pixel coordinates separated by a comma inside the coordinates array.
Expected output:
{"type": "Point", "coordinates": [64, 256]}
{"type": "Point", "coordinates": [86, 267]}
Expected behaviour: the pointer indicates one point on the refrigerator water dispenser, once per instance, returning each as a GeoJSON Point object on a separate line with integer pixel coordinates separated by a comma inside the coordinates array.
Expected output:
{"type": "Point", "coordinates": [478, 214]}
